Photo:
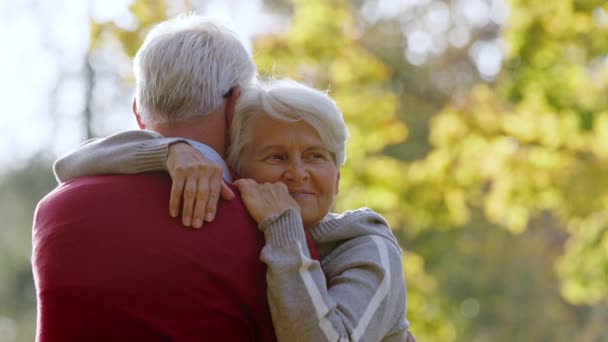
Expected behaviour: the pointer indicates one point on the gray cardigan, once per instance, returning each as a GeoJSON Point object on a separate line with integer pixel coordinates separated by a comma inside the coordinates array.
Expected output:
{"type": "Point", "coordinates": [358, 295]}
{"type": "Point", "coordinates": [355, 293]}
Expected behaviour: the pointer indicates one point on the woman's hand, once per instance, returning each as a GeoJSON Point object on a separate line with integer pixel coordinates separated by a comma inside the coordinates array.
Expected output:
{"type": "Point", "coordinates": [265, 200]}
{"type": "Point", "coordinates": [198, 180]}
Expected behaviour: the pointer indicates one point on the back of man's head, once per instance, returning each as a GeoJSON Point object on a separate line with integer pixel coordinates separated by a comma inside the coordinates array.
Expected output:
{"type": "Point", "coordinates": [185, 67]}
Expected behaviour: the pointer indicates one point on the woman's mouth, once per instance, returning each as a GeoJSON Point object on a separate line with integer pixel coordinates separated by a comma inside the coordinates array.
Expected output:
{"type": "Point", "coordinates": [300, 194]}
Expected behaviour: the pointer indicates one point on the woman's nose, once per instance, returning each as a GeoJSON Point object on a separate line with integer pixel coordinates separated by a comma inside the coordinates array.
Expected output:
{"type": "Point", "coordinates": [296, 171]}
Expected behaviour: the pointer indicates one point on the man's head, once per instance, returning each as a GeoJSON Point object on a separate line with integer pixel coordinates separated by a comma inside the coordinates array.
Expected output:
{"type": "Point", "coordinates": [185, 68]}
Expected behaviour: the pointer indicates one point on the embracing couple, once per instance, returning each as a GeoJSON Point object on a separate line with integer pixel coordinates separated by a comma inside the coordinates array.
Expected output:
{"type": "Point", "coordinates": [256, 166]}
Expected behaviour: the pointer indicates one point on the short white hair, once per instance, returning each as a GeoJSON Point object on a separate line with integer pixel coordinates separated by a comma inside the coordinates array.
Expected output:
{"type": "Point", "coordinates": [185, 67]}
{"type": "Point", "coordinates": [288, 101]}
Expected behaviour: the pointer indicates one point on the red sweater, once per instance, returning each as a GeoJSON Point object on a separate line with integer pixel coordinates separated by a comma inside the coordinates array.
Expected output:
{"type": "Point", "coordinates": [110, 264]}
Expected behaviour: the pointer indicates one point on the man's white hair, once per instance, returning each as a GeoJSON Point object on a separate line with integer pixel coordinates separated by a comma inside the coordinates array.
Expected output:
{"type": "Point", "coordinates": [287, 101]}
{"type": "Point", "coordinates": [185, 67]}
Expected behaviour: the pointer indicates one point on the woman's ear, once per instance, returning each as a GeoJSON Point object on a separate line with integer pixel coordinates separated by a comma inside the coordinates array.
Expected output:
{"type": "Point", "coordinates": [137, 116]}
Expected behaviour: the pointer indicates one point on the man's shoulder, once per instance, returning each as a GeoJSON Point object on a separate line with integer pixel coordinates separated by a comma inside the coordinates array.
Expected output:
{"type": "Point", "coordinates": [90, 191]}
{"type": "Point", "coordinates": [98, 185]}
{"type": "Point", "coordinates": [134, 200]}
{"type": "Point", "coordinates": [117, 179]}
{"type": "Point", "coordinates": [138, 194]}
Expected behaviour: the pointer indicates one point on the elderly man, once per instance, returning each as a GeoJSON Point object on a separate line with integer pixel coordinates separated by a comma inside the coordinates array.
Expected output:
{"type": "Point", "coordinates": [110, 263]}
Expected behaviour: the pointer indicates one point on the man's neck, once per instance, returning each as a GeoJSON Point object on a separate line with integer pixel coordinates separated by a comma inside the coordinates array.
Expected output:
{"type": "Point", "coordinates": [209, 130]}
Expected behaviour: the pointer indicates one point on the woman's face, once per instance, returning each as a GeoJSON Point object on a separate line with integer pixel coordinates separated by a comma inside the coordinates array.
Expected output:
{"type": "Point", "coordinates": [293, 153]}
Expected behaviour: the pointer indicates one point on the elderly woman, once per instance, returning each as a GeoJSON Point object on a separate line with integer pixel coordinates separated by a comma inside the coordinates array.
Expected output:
{"type": "Point", "coordinates": [287, 145]}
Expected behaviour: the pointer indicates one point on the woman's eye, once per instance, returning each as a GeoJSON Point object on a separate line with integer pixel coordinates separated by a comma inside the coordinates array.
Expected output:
{"type": "Point", "coordinates": [276, 157]}
{"type": "Point", "coordinates": [317, 156]}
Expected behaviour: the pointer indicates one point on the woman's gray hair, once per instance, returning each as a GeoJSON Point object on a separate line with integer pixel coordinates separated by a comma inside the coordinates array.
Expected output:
{"type": "Point", "coordinates": [185, 67]}
{"type": "Point", "coordinates": [287, 101]}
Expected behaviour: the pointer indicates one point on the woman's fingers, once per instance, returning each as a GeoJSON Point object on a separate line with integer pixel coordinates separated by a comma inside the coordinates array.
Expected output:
{"type": "Point", "coordinates": [177, 189]}
{"type": "Point", "coordinates": [264, 200]}
{"type": "Point", "coordinates": [197, 185]}
{"type": "Point", "coordinates": [190, 193]}
{"type": "Point", "coordinates": [208, 180]}
{"type": "Point", "coordinates": [225, 191]}
{"type": "Point", "coordinates": [200, 203]}
{"type": "Point", "coordinates": [214, 185]}
{"type": "Point", "coordinates": [246, 188]}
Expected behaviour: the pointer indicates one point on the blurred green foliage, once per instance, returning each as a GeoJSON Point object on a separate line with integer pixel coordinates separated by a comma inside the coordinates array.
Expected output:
{"type": "Point", "coordinates": [20, 190]}
{"type": "Point", "coordinates": [533, 142]}
{"type": "Point", "coordinates": [495, 189]}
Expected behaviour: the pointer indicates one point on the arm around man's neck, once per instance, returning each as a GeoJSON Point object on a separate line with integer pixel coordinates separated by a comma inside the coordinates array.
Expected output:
{"type": "Point", "coordinates": [127, 152]}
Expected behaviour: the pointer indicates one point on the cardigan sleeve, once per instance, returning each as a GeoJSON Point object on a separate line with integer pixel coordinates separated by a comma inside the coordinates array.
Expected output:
{"type": "Point", "coordinates": [133, 151]}
{"type": "Point", "coordinates": [360, 297]}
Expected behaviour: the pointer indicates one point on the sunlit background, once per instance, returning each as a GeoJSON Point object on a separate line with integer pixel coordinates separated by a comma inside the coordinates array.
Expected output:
{"type": "Point", "coordinates": [479, 128]}
{"type": "Point", "coordinates": [45, 63]}
{"type": "Point", "coordinates": [46, 68]}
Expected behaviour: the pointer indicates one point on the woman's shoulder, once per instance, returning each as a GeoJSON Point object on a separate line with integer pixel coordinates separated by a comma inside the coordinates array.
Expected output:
{"type": "Point", "coordinates": [355, 214]}
{"type": "Point", "coordinates": [351, 224]}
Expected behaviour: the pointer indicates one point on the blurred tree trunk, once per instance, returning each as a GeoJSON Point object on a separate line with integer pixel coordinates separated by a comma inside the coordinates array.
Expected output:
{"type": "Point", "coordinates": [89, 78]}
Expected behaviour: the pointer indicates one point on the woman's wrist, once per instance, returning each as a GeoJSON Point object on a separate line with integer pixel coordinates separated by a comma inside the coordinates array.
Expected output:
{"type": "Point", "coordinates": [284, 228]}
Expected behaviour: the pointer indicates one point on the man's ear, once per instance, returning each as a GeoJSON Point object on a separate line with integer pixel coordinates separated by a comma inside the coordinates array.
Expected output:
{"type": "Point", "coordinates": [137, 116]}
{"type": "Point", "coordinates": [231, 104]}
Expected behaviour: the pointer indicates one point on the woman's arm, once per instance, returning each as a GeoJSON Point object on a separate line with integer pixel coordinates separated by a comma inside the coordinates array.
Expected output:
{"type": "Point", "coordinates": [126, 152]}
{"type": "Point", "coordinates": [360, 297]}
{"type": "Point", "coordinates": [197, 181]}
